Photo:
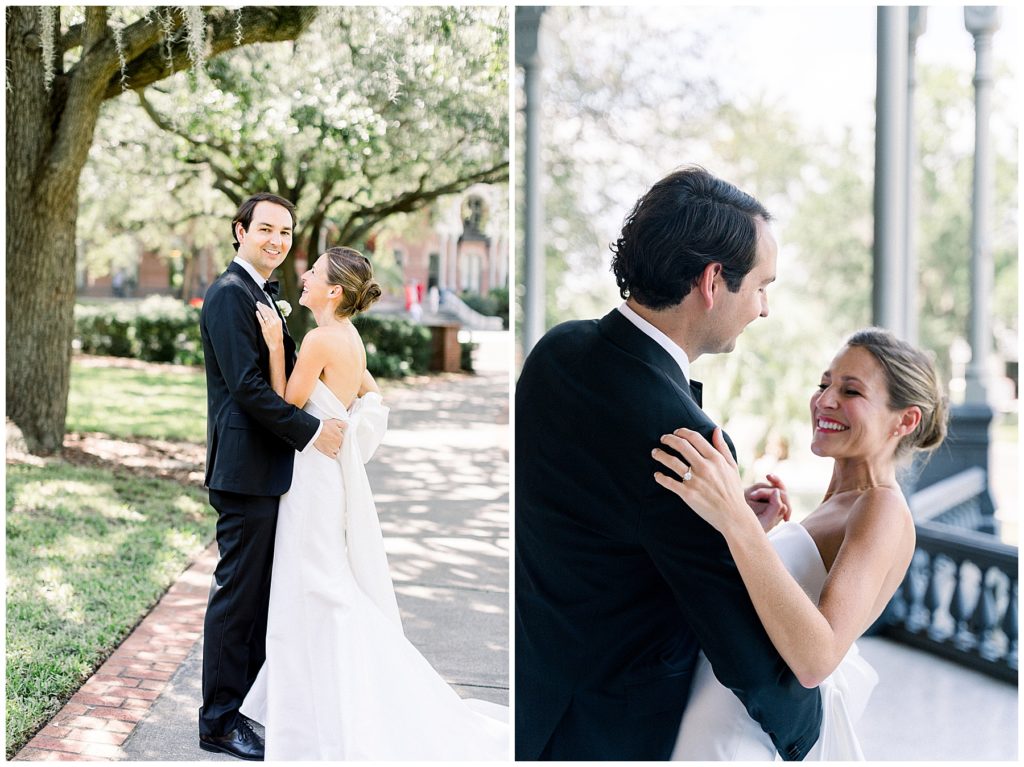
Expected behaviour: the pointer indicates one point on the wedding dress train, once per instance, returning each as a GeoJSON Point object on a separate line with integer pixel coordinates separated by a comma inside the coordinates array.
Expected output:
{"type": "Point", "coordinates": [341, 681]}
{"type": "Point", "coordinates": [717, 727]}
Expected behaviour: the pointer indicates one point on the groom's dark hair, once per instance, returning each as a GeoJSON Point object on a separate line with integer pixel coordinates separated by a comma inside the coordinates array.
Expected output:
{"type": "Point", "coordinates": [244, 214]}
{"type": "Point", "coordinates": [686, 221]}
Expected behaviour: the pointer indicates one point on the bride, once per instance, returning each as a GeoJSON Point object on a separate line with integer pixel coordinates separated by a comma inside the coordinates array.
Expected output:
{"type": "Point", "coordinates": [819, 584]}
{"type": "Point", "coordinates": [340, 680]}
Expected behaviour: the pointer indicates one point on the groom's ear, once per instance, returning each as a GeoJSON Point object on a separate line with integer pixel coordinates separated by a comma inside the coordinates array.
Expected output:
{"type": "Point", "coordinates": [706, 284]}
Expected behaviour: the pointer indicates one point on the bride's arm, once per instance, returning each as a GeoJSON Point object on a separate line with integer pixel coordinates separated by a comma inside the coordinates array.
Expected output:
{"type": "Point", "coordinates": [273, 336]}
{"type": "Point", "coordinates": [313, 356]}
{"type": "Point", "coordinates": [368, 384]}
{"type": "Point", "coordinates": [812, 639]}
{"type": "Point", "coordinates": [308, 365]}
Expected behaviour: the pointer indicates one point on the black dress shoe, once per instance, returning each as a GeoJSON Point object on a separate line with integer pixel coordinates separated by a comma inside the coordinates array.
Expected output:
{"type": "Point", "coordinates": [241, 742]}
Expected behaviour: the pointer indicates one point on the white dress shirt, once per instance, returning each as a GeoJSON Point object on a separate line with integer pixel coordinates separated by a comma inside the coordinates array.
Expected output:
{"type": "Point", "coordinates": [658, 337]}
{"type": "Point", "coordinates": [258, 278]}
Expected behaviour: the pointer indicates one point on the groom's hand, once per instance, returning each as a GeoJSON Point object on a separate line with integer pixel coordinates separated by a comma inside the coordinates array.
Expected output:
{"type": "Point", "coordinates": [769, 501]}
{"type": "Point", "coordinates": [331, 437]}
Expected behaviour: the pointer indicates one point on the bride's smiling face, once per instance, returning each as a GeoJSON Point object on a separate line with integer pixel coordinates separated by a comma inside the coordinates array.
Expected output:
{"type": "Point", "coordinates": [850, 411]}
{"type": "Point", "coordinates": [316, 293]}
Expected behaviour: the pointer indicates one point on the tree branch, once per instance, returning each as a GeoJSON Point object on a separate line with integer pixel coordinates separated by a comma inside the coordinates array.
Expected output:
{"type": "Point", "coordinates": [70, 39]}
{"type": "Point", "coordinates": [408, 202]}
{"type": "Point", "coordinates": [94, 28]}
{"type": "Point", "coordinates": [259, 24]}
{"type": "Point", "coordinates": [164, 124]}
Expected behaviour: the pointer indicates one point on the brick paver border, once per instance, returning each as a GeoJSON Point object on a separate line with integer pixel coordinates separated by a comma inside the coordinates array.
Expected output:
{"type": "Point", "coordinates": [107, 708]}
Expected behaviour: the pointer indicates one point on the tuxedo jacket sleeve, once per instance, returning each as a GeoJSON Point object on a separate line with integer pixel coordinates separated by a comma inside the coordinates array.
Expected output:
{"type": "Point", "coordinates": [695, 562]}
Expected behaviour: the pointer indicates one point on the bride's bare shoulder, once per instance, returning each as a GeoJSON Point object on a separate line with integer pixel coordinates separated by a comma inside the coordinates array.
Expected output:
{"type": "Point", "coordinates": [881, 512]}
{"type": "Point", "coordinates": [331, 335]}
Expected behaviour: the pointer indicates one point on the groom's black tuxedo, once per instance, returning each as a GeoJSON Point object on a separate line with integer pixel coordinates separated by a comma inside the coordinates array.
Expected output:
{"type": "Point", "coordinates": [251, 434]}
{"type": "Point", "coordinates": [618, 583]}
{"type": "Point", "coordinates": [251, 438]}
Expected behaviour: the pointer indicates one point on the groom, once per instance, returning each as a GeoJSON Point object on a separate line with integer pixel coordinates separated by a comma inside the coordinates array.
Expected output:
{"type": "Point", "coordinates": [618, 584]}
{"type": "Point", "coordinates": [251, 438]}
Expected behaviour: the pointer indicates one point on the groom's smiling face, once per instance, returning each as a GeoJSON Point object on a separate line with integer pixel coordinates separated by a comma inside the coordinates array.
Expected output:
{"type": "Point", "coordinates": [268, 239]}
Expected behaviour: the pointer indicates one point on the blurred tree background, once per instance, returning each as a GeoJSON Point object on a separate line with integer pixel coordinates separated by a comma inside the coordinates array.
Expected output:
{"type": "Point", "coordinates": [616, 118]}
{"type": "Point", "coordinates": [372, 113]}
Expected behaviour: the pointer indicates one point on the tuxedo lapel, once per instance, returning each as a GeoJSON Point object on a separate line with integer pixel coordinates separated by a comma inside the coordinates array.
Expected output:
{"type": "Point", "coordinates": [627, 336]}
{"type": "Point", "coordinates": [697, 390]}
{"type": "Point", "coordinates": [255, 289]}
{"type": "Point", "coordinates": [261, 298]}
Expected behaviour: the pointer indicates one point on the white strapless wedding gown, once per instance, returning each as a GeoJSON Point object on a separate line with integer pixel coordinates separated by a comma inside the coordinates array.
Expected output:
{"type": "Point", "coordinates": [341, 681]}
{"type": "Point", "coordinates": [717, 727]}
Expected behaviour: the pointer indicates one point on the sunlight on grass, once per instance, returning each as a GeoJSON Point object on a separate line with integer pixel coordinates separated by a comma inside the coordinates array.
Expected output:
{"type": "Point", "coordinates": [75, 548]}
{"type": "Point", "coordinates": [125, 402]}
{"type": "Point", "coordinates": [89, 552]}
{"type": "Point", "coordinates": [59, 595]}
{"type": "Point", "coordinates": [189, 505]}
{"type": "Point", "coordinates": [177, 540]}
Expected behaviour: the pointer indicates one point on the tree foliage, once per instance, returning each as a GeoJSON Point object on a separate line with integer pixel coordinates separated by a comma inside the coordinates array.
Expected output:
{"type": "Point", "coordinates": [373, 112]}
{"type": "Point", "coordinates": [614, 120]}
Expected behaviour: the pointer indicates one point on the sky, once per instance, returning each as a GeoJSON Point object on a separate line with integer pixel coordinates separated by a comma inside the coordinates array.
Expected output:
{"type": "Point", "coordinates": [787, 51]}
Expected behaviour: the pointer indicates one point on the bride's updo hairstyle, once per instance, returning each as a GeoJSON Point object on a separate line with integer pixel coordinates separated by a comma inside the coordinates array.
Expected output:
{"type": "Point", "coordinates": [911, 379]}
{"type": "Point", "coordinates": [352, 272]}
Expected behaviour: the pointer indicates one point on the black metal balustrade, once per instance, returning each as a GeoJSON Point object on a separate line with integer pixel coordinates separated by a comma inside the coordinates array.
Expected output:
{"type": "Point", "coordinates": [959, 597]}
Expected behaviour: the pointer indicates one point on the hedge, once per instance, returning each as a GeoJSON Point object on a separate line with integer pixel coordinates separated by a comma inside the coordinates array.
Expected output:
{"type": "Point", "coordinates": [162, 329]}
{"type": "Point", "coordinates": [395, 347]}
{"type": "Point", "coordinates": [157, 329]}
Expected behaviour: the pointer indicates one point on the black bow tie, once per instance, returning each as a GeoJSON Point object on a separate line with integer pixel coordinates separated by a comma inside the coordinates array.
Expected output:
{"type": "Point", "coordinates": [272, 288]}
{"type": "Point", "coordinates": [697, 390]}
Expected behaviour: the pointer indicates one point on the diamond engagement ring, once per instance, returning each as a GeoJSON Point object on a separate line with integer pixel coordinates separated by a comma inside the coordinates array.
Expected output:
{"type": "Point", "coordinates": [687, 476]}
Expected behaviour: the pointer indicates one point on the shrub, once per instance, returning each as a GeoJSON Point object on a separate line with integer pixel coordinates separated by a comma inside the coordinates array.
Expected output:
{"type": "Point", "coordinates": [395, 347]}
{"type": "Point", "coordinates": [105, 330]}
{"type": "Point", "coordinates": [168, 331]}
{"type": "Point", "coordinates": [468, 347]}
{"type": "Point", "coordinates": [158, 329]}
{"type": "Point", "coordinates": [162, 329]}
{"type": "Point", "coordinates": [494, 304]}
{"type": "Point", "coordinates": [500, 297]}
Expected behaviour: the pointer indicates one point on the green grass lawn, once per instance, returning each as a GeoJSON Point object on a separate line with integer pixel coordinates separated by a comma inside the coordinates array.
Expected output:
{"type": "Point", "coordinates": [127, 402]}
{"type": "Point", "coordinates": [91, 550]}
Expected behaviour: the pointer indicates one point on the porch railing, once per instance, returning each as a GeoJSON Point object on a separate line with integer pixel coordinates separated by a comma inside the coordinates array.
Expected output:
{"type": "Point", "coordinates": [959, 597]}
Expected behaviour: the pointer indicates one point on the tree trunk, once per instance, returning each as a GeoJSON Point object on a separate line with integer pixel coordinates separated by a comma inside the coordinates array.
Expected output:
{"type": "Point", "coordinates": [41, 221]}
{"type": "Point", "coordinates": [300, 322]}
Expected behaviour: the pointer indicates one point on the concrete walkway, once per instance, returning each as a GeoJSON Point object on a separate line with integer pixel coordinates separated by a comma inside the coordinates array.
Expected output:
{"type": "Point", "coordinates": [440, 480]}
{"type": "Point", "coordinates": [926, 708]}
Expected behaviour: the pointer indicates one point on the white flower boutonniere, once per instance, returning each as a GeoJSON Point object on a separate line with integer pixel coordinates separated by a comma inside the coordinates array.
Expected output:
{"type": "Point", "coordinates": [284, 307]}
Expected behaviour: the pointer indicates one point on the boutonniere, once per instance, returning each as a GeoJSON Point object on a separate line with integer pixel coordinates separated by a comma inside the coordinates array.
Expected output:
{"type": "Point", "coordinates": [284, 307]}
